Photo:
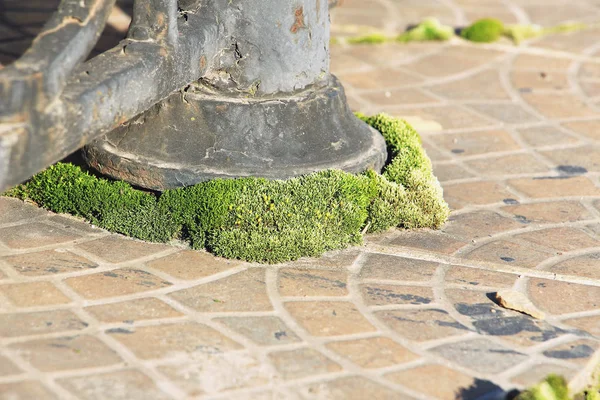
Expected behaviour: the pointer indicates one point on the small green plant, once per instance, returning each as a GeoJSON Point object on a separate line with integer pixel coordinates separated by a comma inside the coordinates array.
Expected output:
{"type": "Point", "coordinates": [256, 219]}
{"type": "Point", "coordinates": [554, 387]}
{"type": "Point", "coordinates": [429, 29]}
{"type": "Point", "coordinates": [485, 30]}
{"type": "Point", "coordinates": [374, 38]}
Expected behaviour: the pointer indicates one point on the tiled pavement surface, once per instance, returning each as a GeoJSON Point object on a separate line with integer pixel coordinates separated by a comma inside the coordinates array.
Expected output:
{"type": "Point", "coordinates": [514, 133]}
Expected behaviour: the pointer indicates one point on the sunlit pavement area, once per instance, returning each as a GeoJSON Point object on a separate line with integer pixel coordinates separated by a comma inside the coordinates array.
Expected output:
{"type": "Point", "coordinates": [513, 132]}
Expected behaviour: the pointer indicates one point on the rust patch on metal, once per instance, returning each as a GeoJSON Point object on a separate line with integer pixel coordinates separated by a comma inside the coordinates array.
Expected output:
{"type": "Point", "coordinates": [298, 20]}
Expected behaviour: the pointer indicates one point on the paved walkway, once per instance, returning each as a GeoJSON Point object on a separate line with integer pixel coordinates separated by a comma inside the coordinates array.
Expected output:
{"type": "Point", "coordinates": [514, 134]}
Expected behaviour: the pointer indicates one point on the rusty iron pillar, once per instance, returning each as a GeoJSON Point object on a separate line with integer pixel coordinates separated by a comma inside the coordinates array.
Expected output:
{"type": "Point", "coordinates": [199, 89]}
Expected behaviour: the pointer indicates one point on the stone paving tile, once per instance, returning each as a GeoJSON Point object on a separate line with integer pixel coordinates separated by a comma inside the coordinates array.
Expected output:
{"type": "Point", "coordinates": [25, 390]}
{"type": "Point", "coordinates": [493, 121]}
{"type": "Point", "coordinates": [244, 291]}
{"type": "Point", "coordinates": [66, 353]}
{"type": "Point", "coordinates": [440, 382]}
{"type": "Point", "coordinates": [48, 262]}
{"type": "Point", "coordinates": [122, 385]}
{"type": "Point", "coordinates": [33, 294]}
{"type": "Point", "coordinates": [117, 282]}
{"type": "Point", "coordinates": [376, 352]}
{"type": "Point", "coordinates": [172, 340]}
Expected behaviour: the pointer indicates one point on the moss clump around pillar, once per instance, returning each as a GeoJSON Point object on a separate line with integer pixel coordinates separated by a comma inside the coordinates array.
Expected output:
{"type": "Point", "coordinates": [256, 219]}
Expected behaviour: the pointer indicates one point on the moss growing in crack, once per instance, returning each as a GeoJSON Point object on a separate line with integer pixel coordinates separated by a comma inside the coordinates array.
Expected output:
{"type": "Point", "coordinates": [373, 38]}
{"type": "Point", "coordinates": [485, 30]}
{"type": "Point", "coordinates": [554, 387]}
{"type": "Point", "coordinates": [257, 219]}
{"type": "Point", "coordinates": [429, 29]}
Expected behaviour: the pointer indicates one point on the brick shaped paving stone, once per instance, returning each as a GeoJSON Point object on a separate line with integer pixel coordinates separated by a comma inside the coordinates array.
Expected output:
{"type": "Point", "coordinates": [48, 262]}
{"type": "Point", "coordinates": [558, 297]}
{"type": "Point", "coordinates": [190, 265]}
{"type": "Point", "coordinates": [561, 186]}
{"type": "Point", "coordinates": [549, 212]}
{"type": "Point", "coordinates": [35, 234]}
{"type": "Point", "coordinates": [347, 388]}
{"type": "Point", "coordinates": [117, 249]}
{"type": "Point", "coordinates": [13, 210]}
{"type": "Point", "coordinates": [37, 323]}
{"type": "Point", "coordinates": [578, 351]}
{"type": "Point", "coordinates": [244, 291]}
{"type": "Point", "coordinates": [301, 363]}
{"type": "Point", "coordinates": [587, 265]}
{"type": "Point", "coordinates": [475, 143]}
{"type": "Point", "coordinates": [461, 195]}
{"type": "Point", "coordinates": [375, 352]}
{"type": "Point", "coordinates": [25, 390]}
{"type": "Point", "coordinates": [66, 353]}
{"type": "Point", "coordinates": [33, 294]}
{"type": "Point", "coordinates": [422, 325]}
{"type": "Point", "coordinates": [430, 240]}
{"type": "Point", "coordinates": [387, 267]}
{"type": "Point", "coordinates": [133, 310]}
{"type": "Point", "coordinates": [312, 282]}
{"type": "Point", "coordinates": [121, 385]}
{"type": "Point", "coordinates": [380, 294]}
{"type": "Point", "coordinates": [117, 282]}
{"type": "Point", "coordinates": [329, 318]}
{"type": "Point", "coordinates": [475, 277]}
{"type": "Point", "coordinates": [173, 340]}
{"type": "Point", "coordinates": [536, 373]}
{"type": "Point", "coordinates": [266, 331]}
{"type": "Point", "coordinates": [505, 252]}
{"type": "Point", "coordinates": [562, 238]}
{"type": "Point", "coordinates": [440, 382]}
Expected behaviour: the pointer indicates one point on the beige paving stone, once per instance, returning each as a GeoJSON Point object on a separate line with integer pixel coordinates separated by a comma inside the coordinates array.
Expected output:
{"type": "Point", "coordinates": [382, 266]}
{"type": "Point", "coordinates": [426, 239]}
{"type": "Point", "coordinates": [448, 117]}
{"type": "Point", "coordinates": [504, 252]}
{"type": "Point", "coordinates": [591, 89]}
{"type": "Point", "coordinates": [122, 385]}
{"type": "Point", "coordinates": [266, 331]}
{"type": "Point", "coordinates": [219, 372]}
{"type": "Point", "coordinates": [133, 310]}
{"type": "Point", "coordinates": [541, 62]}
{"type": "Point", "coordinates": [449, 172]}
{"type": "Point", "coordinates": [244, 291]}
{"type": "Point", "coordinates": [578, 351]}
{"type": "Point", "coordinates": [13, 210]}
{"type": "Point", "coordinates": [564, 186]}
{"type": "Point", "coordinates": [48, 262]}
{"type": "Point", "coordinates": [35, 234]}
{"type": "Point", "coordinates": [590, 129]}
{"type": "Point", "coordinates": [589, 70]}
{"type": "Point", "coordinates": [562, 105]}
{"type": "Point", "coordinates": [472, 143]}
{"type": "Point", "coordinates": [300, 363]}
{"type": "Point", "coordinates": [432, 152]}
{"type": "Point", "coordinates": [587, 265]}
{"type": "Point", "coordinates": [451, 61]}
{"type": "Point", "coordinates": [347, 388]}
{"type": "Point", "coordinates": [7, 367]}
{"type": "Point", "coordinates": [388, 53]}
{"type": "Point", "coordinates": [542, 136]}
{"type": "Point", "coordinates": [66, 221]}
{"type": "Point", "coordinates": [117, 249]}
{"type": "Point", "coordinates": [571, 42]}
{"type": "Point", "coordinates": [66, 353]}
{"type": "Point", "coordinates": [588, 324]}
{"type": "Point", "coordinates": [32, 294]}
{"type": "Point", "coordinates": [380, 79]}
{"type": "Point", "coordinates": [329, 318]}
{"type": "Point", "coordinates": [478, 277]}
{"type": "Point", "coordinates": [342, 60]}
{"type": "Point", "coordinates": [185, 340]}
{"type": "Point", "coordinates": [507, 113]}
{"type": "Point", "coordinates": [118, 282]}
{"type": "Point", "coordinates": [586, 156]}
{"type": "Point", "coordinates": [312, 282]}
{"type": "Point", "coordinates": [25, 390]}
{"type": "Point", "coordinates": [390, 98]}
{"type": "Point", "coordinates": [542, 80]}
{"type": "Point", "coordinates": [422, 325]}
{"type": "Point", "coordinates": [558, 297]}
{"type": "Point", "coordinates": [551, 212]}
{"type": "Point", "coordinates": [562, 238]}
{"type": "Point", "coordinates": [538, 372]}
{"type": "Point", "coordinates": [436, 381]}
{"type": "Point", "coordinates": [36, 323]}
{"type": "Point", "coordinates": [332, 259]}
{"type": "Point", "coordinates": [461, 195]}
{"type": "Point", "coordinates": [507, 165]}
{"type": "Point", "coordinates": [481, 355]}
{"type": "Point", "coordinates": [191, 265]}
{"type": "Point", "coordinates": [379, 295]}
{"type": "Point", "coordinates": [376, 352]}
{"type": "Point", "coordinates": [485, 85]}
{"type": "Point", "coordinates": [480, 223]}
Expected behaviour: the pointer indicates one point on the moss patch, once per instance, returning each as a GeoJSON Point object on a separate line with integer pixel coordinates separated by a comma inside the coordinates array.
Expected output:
{"type": "Point", "coordinates": [256, 219]}
{"type": "Point", "coordinates": [485, 30]}
{"type": "Point", "coordinates": [555, 387]}
{"type": "Point", "coordinates": [429, 29]}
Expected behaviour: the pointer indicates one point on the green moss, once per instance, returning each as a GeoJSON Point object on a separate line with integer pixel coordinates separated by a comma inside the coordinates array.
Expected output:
{"type": "Point", "coordinates": [257, 219]}
{"type": "Point", "coordinates": [429, 29]}
{"type": "Point", "coordinates": [554, 387]}
{"type": "Point", "coordinates": [374, 38]}
{"type": "Point", "coordinates": [518, 33]}
{"type": "Point", "coordinates": [485, 30]}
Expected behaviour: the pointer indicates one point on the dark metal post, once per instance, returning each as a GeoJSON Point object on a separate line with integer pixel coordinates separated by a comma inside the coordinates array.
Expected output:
{"type": "Point", "coordinates": [199, 89]}
{"type": "Point", "coordinates": [267, 106]}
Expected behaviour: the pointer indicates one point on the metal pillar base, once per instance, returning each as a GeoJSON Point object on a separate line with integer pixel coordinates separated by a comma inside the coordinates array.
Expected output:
{"type": "Point", "coordinates": [200, 134]}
